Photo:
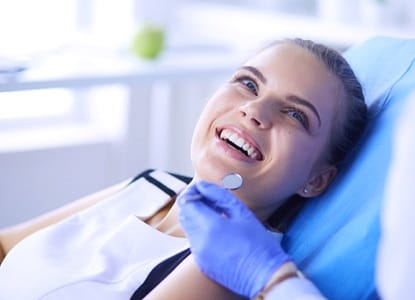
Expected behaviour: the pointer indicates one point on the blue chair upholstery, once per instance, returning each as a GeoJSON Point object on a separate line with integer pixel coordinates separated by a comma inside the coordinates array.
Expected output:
{"type": "Point", "coordinates": [334, 239]}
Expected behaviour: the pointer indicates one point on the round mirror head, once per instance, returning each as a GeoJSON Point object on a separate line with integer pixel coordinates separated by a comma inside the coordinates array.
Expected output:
{"type": "Point", "coordinates": [232, 181]}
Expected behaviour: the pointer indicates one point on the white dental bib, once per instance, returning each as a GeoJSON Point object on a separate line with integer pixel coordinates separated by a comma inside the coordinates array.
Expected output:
{"type": "Point", "coordinates": [104, 252]}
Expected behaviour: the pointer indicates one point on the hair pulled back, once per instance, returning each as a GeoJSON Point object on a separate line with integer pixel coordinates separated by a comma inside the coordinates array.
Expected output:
{"type": "Point", "coordinates": [349, 120]}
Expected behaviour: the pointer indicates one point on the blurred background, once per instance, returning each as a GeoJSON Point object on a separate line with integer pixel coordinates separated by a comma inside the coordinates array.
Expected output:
{"type": "Point", "coordinates": [80, 111]}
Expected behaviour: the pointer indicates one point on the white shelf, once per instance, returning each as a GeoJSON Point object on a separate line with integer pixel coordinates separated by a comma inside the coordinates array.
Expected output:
{"type": "Point", "coordinates": [71, 71]}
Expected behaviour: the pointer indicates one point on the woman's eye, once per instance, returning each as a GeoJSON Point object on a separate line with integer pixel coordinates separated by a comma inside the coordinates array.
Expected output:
{"type": "Point", "coordinates": [251, 85]}
{"type": "Point", "coordinates": [299, 116]}
{"type": "Point", "coordinates": [247, 82]}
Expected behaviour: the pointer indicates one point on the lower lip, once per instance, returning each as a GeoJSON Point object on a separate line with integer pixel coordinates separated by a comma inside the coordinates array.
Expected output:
{"type": "Point", "coordinates": [232, 152]}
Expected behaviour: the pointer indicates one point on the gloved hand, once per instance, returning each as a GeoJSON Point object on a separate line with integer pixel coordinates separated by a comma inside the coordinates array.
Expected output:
{"type": "Point", "coordinates": [229, 243]}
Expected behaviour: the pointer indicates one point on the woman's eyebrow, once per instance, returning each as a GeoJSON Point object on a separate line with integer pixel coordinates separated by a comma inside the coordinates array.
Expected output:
{"type": "Point", "coordinates": [292, 98]}
{"type": "Point", "coordinates": [301, 101]}
{"type": "Point", "coordinates": [256, 72]}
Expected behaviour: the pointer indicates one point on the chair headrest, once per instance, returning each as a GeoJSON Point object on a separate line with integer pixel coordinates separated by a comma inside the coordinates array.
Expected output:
{"type": "Point", "coordinates": [334, 238]}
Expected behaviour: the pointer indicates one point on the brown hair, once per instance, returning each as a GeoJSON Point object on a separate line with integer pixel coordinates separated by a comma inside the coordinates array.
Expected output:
{"type": "Point", "coordinates": [349, 121]}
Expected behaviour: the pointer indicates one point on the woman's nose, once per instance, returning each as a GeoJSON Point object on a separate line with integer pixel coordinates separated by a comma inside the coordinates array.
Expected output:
{"type": "Point", "coordinates": [257, 113]}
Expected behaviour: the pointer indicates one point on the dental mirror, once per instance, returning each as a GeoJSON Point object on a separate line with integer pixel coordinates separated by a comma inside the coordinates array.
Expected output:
{"type": "Point", "coordinates": [232, 181]}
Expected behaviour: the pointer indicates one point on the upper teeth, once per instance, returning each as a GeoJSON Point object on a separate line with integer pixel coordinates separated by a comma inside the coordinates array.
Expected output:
{"type": "Point", "coordinates": [240, 142]}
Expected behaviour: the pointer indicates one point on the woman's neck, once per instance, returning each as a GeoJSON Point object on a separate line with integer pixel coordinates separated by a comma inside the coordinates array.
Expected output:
{"type": "Point", "coordinates": [170, 223]}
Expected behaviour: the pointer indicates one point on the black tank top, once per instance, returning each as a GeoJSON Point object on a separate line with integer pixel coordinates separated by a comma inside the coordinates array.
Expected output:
{"type": "Point", "coordinates": [159, 273]}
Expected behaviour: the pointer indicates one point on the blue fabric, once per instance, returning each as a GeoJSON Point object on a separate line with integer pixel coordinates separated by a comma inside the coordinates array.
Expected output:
{"type": "Point", "coordinates": [335, 237]}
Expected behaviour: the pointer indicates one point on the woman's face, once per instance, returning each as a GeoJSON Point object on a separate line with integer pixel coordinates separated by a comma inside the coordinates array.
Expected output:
{"type": "Point", "coordinates": [270, 123]}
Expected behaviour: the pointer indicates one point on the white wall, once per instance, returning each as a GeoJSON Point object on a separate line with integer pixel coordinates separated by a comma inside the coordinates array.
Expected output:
{"type": "Point", "coordinates": [35, 181]}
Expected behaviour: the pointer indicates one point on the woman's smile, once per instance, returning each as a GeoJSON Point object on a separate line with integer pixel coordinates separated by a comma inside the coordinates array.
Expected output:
{"type": "Point", "coordinates": [238, 143]}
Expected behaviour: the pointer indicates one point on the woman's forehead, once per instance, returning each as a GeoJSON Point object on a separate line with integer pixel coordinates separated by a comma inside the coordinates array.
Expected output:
{"type": "Point", "coordinates": [285, 54]}
{"type": "Point", "coordinates": [292, 66]}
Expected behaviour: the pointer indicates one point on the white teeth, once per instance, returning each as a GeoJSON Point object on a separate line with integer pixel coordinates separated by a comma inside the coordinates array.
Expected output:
{"type": "Point", "coordinates": [239, 141]}
{"type": "Point", "coordinates": [225, 134]}
{"type": "Point", "coordinates": [233, 137]}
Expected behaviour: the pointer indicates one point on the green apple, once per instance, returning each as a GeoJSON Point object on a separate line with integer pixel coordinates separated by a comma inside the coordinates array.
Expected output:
{"type": "Point", "coordinates": [148, 41]}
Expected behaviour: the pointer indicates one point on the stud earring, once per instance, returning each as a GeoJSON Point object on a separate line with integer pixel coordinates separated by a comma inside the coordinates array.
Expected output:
{"type": "Point", "coordinates": [305, 190]}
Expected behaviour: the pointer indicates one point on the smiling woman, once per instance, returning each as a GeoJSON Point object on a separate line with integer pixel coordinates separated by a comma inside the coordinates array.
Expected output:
{"type": "Point", "coordinates": [273, 123]}
{"type": "Point", "coordinates": [285, 100]}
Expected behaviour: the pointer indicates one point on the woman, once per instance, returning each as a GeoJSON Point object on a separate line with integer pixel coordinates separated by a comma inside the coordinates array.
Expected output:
{"type": "Point", "coordinates": [285, 121]}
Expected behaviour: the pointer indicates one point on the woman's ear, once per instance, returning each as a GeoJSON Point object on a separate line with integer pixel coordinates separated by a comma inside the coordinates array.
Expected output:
{"type": "Point", "coordinates": [318, 183]}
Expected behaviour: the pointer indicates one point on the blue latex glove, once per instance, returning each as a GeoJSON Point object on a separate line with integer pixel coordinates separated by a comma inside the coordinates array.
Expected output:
{"type": "Point", "coordinates": [230, 245]}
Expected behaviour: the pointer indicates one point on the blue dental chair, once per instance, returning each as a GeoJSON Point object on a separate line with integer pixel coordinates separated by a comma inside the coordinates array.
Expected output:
{"type": "Point", "coordinates": [334, 239]}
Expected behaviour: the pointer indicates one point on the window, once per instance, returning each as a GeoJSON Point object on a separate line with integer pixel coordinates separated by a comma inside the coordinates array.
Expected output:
{"type": "Point", "coordinates": [30, 28]}
{"type": "Point", "coordinates": [56, 117]}
{"type": "Point", "coordinates": [33, 32]}
{"type": "Point", "coordinates": [33, 105]}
